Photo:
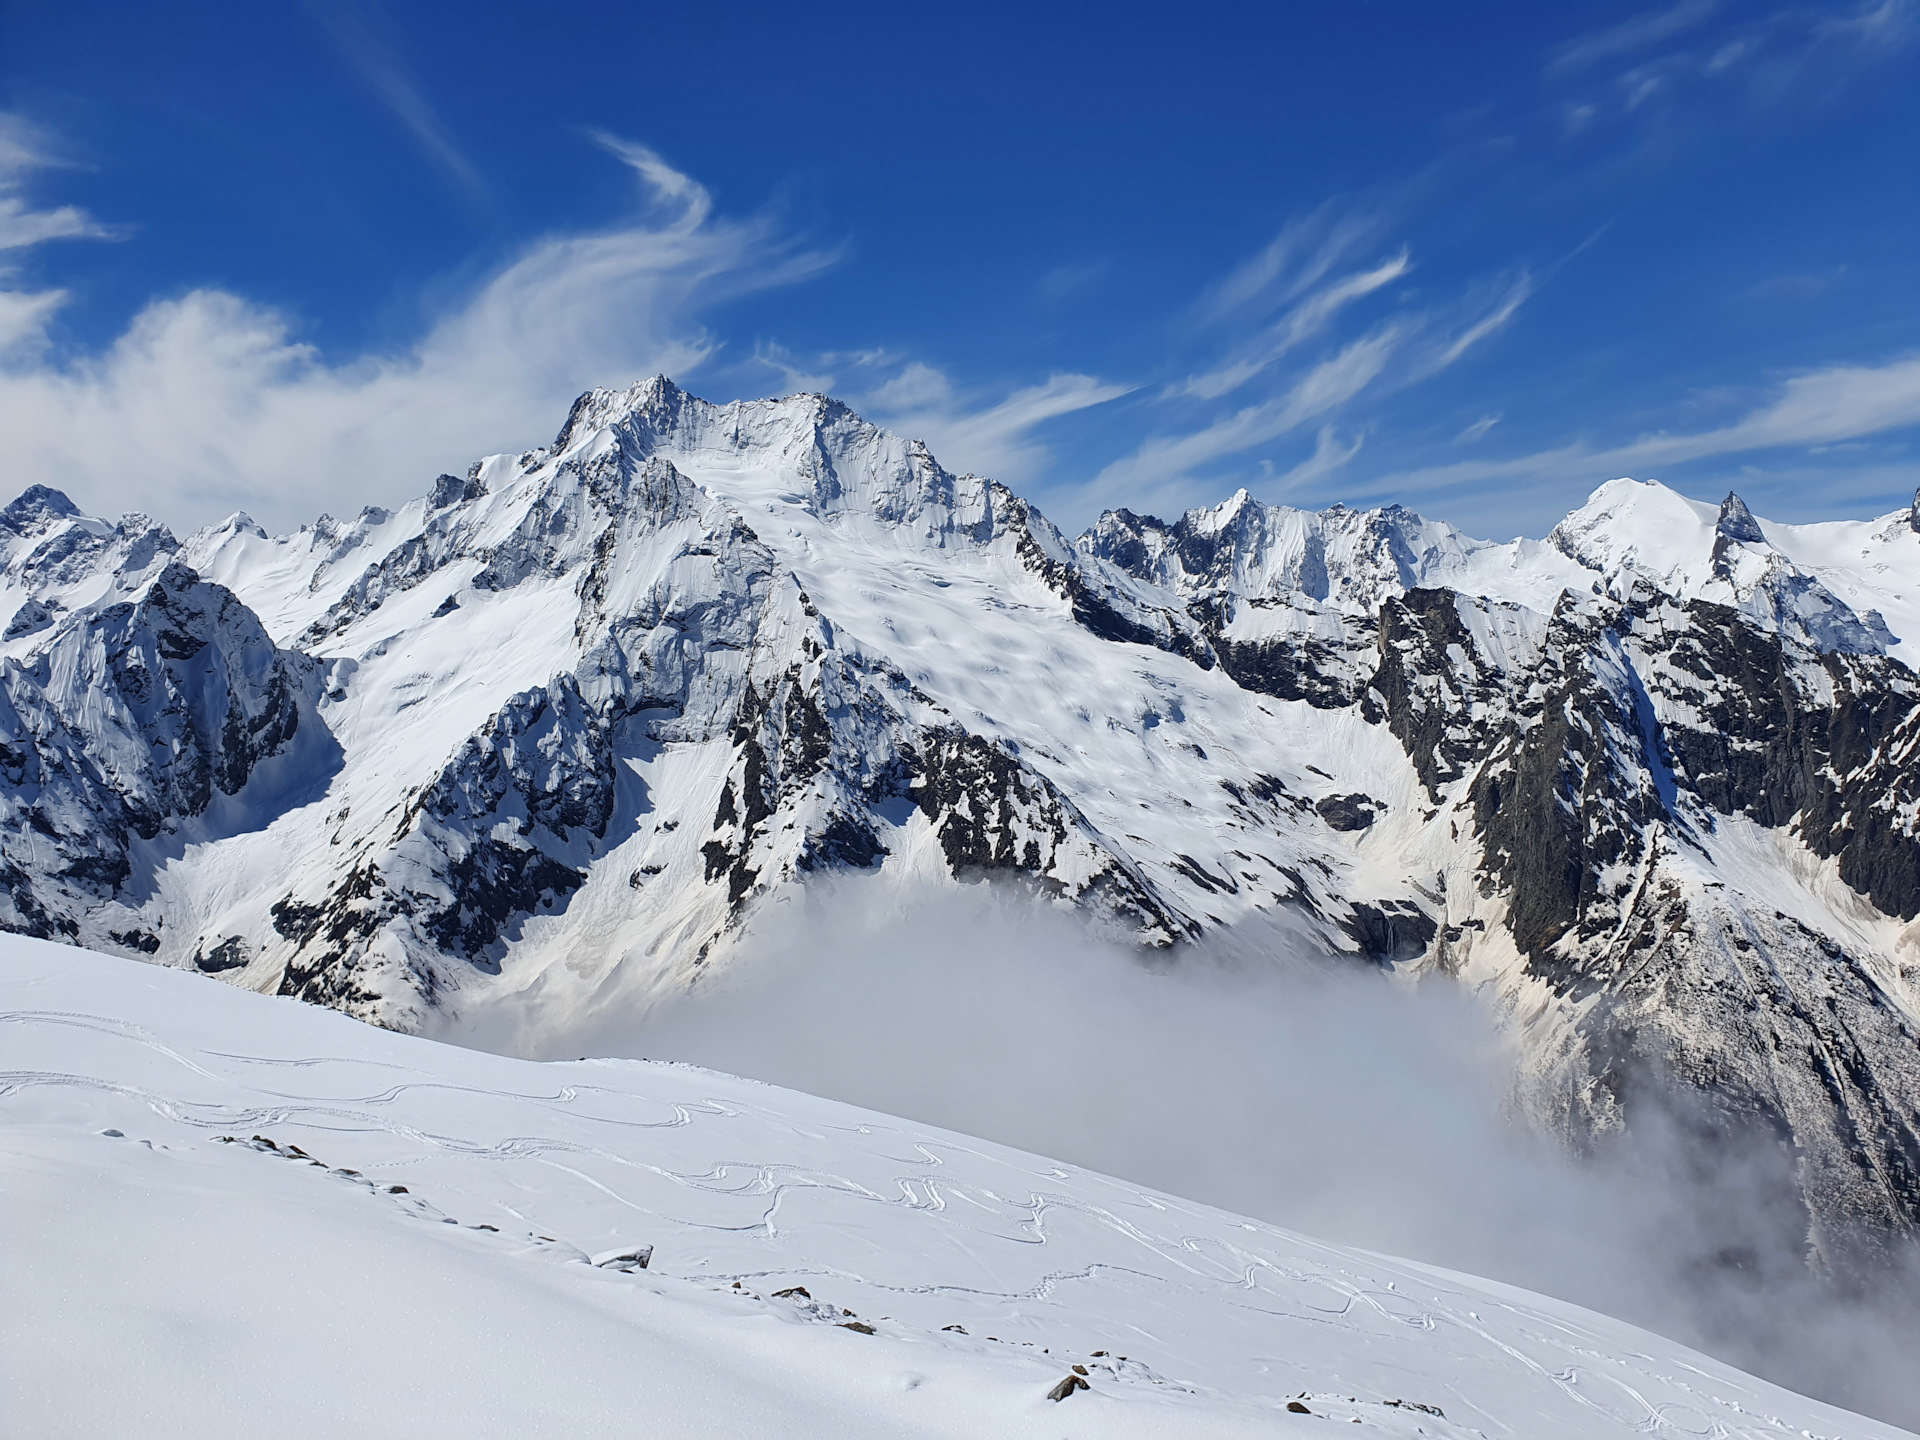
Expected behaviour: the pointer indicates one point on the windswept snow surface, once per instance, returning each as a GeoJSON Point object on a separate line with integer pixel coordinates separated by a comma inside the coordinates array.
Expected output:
{"type": "Point", "coordinates": [232, 1215]}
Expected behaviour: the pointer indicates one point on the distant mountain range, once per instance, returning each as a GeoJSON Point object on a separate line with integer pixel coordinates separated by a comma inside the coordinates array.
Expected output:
{"type": "Point", "coordinates": [572, 720]}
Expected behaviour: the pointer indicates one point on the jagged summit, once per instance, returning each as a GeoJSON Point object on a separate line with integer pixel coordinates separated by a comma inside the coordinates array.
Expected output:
{"type": "Point", "coordinates": [1245, 551]}
{"type": "Point", "coordinates": [1735, 528]}
{"type": "Point", "coordinates": [805, 449]}
{"type": "Point", "coordinates": [1736, 522]}
{"type": "Point", "coordinates": [37, 505]}
{"type": "Point", "coordinates": [655, 401]}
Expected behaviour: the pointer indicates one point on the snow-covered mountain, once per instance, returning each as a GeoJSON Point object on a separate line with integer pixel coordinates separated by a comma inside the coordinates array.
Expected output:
{"type": "Point", "coordinates": [229, 1213]}
{"type": "Point", "coordinates": [568, 725]}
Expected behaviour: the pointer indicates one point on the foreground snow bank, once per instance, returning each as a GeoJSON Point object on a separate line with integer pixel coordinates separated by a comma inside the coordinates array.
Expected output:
{"type": "Point", "coordinates": [227, 1214]}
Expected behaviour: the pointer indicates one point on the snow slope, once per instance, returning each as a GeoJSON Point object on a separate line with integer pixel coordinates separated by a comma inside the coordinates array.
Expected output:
{"type": "Point", "coordinates": [1846, 584]}
{"type": "Point", "coordinates": [229, 1215]}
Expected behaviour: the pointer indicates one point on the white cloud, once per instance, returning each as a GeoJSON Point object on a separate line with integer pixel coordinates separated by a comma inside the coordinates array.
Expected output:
{"type": "Point", "coordinates": [1841, 402]}
{"type": "Point", "coordinates": [1505, 305]}
{"type": "Point", "coordinates": [917, 389]}
{"type": "Point", "coordinates": [1637, 33]}
{"type": "Point", "coordinates": [816, 374]}
{"type": "Point", "coordinates": [1478, 428]}
{"type": "Point", "coordinates": [1770, 56]}
{"type": "Point", "coordinates": [359, 30]}
{"type": "Point", "coordinates": [1320, 389]}
{"type": "Point", "coordinates": [1416, 345]}
{"type": "Point", "coordinates": [1822, 407]}
{"type": "Point", "coordinates": [993, 439]}
{"type": "Point", "coordinates": [209, 403]}
{"type": "Point", "coordinates": [1885, 26]}
{"type": "Point", "coordinates": [23, 319]}
{"type": "Point", "coordinates": [1304, 321]}
{"type": "Point", "coordinates": [1064, 281]}
{"type": "Point", "coordinates": [1306, 275]}
{"type": "Point", "coordinates": [22, 226]}
{"type": "Point", "coordinates": [1307, 248]}
{"type": "Point", "coordinates": [24, 313]}
{"type": "Point", "coordinates": [1328, 455]}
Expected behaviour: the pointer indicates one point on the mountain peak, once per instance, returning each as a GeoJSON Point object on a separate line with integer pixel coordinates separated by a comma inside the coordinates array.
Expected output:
{"type": "Point", "coordinates": [1216, 518]}
{"type": "Point", "coordinates": [241, 523]}
{"type": "Point", "coordinates": [1737, 522]}
{"type": "Point", "coordinates": [655, 396]}
{"type": "Point", "coordinates": [39, 504]}
{"type": "Point", "coordinates": [1736, 526]}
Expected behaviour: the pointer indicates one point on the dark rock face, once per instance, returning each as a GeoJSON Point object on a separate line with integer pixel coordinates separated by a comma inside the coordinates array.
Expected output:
{"type": "Point", "coordinates": [184, 696]}
{"type": "Point", "coordinates": [1105, 609]}
{"type": "Point", "coordinates": [1824, 744]}
{"type": "Point", "coordinates": [30, 619]}
{"type": "Point", "coordinates": [488, 840]}
{"type": "Point", "coordinates": [232, 953]}
{"type": "Point", "coordinates": [35, 508]}
{"type": "Point", "coordinates": [1346, 812]}
{"type": "Point", "coordinates": [1329, 674]}
{"type": "Point", "coordinates": [1391, 931]}
{"type": "Point", "coordinates": [190, 673]}
{"type": "Point", "coordinates": [1419, 692]}
{"type": "Point", "coordinates": [994, 815]}
{"type": "Point", "coordinates": [1639, 729]}
{"type": "Point", "coordinates": [1585, 760]}
{"type": "Point", "coordinates": [1737, 522]}
{"type": "Point", "coordinates": [63, 827]}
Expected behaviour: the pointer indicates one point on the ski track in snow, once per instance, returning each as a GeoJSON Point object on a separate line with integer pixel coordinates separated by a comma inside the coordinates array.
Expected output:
{"type": "Point", "coordinates": [912, 1229]}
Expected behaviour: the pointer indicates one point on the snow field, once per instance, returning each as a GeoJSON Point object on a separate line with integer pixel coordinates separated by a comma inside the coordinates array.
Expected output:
{"type": "Point", "coordinates": [338, 1274]}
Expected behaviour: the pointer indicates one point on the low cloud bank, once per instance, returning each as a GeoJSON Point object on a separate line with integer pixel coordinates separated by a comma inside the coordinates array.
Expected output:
{"type": "Point", "coordinates": [1311, 1093]}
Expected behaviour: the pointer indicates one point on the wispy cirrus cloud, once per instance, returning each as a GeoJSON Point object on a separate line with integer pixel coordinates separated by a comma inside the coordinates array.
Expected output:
{"type": "Point", "coordinates": [1308, 318]}
{"type": "Point", "coordinates": [208, 402]}
{"type": "Point", "coordinates": [982, 435]}
{"type": "Point", "coordinates": [1312, 275]}
{"type": "Point", "coordinates": [1312, 394]}
{"type": "Point", "coordinates": [366, 40]}
{"type": "Point", "coordinates": [24, 226]}
{"type": "Point", "coordinates": [1630, 36]}
{"type": "Point", "coordinates": [24, 150]}
{"type": "Point", "coordinates": [1782, 55]}
{"type": "Point", "coordinates": [1839, 402]}
{"type": "Point", "coordinates": [1307, 248]}
{"type": "Point", "coordinates": [1823, 407]}
{"type": "Point", "coordinates": [1330, 453]}
{"type": "Point", "coordinates": [976, 428]}
{"type": "Point", "coordinates": [1478, 324]}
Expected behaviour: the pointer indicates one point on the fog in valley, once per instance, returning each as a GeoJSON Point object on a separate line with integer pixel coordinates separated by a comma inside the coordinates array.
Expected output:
{"type": "Point", "coordinates": [1253, 1074]}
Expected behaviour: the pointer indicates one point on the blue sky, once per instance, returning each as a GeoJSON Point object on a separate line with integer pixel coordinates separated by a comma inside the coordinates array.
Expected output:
{"type": "Point", "coordinates": [1475, 259]}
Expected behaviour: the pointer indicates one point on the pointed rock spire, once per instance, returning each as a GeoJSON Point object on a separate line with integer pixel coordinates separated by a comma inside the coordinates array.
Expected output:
{"type": "Point", "coordinates": [1737, 522]}
{"type": "Point", "coordinates": [1913, 515]}
{"type": "Point", "coordinates": [1736, 527]}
